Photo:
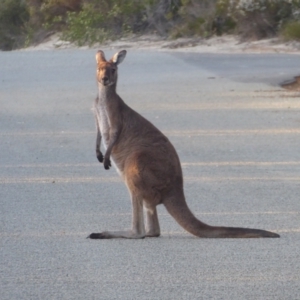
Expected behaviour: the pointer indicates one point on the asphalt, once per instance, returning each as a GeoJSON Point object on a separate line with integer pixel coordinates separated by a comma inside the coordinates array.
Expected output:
{"type": "Point", "coordinates": [237, 133]}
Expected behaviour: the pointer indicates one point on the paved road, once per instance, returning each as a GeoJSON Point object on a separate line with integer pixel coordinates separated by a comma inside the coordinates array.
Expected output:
{"type": "Point", "coordinates": [237, 134]}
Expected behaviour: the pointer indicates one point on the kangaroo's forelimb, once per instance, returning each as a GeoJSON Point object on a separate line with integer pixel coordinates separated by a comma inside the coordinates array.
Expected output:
{"type": "Point", "coordinates": [99, 154]}
{"type": "Point", "coordinates": [113, 137]}
{"type": "Point", "coordinates": [98, 142]}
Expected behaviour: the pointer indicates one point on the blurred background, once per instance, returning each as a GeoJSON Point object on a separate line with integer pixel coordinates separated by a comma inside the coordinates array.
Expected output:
{"type": "Point", "coordinates": [85, 22]}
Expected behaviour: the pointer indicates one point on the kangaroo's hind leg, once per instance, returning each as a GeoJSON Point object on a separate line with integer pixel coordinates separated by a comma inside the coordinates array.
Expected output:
{"type": "Point", "coordinates": [138, 228]}
{"type": "Point", "coordinates": [152, 223]}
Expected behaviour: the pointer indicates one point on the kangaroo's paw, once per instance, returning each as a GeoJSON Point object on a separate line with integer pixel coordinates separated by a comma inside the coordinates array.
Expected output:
{"type": "Point", "coordinates": [107, 163]}
{"type": "Point", "coordinates": [99, 156]}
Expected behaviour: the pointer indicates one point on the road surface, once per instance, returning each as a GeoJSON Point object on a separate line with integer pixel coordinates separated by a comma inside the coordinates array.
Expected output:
{"type": "Point", "coordinates": [238, 137]}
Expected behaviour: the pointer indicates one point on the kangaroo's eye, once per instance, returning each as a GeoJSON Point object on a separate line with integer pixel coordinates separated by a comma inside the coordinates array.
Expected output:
{"type": "Point", "coordinates": [113, 71]}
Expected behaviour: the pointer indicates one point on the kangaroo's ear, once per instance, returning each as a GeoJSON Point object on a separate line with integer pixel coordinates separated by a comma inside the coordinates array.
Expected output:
{"type": "Point", "coordinates": [100, 57]}
{"type": "Point", "coordinates": [119, 57]}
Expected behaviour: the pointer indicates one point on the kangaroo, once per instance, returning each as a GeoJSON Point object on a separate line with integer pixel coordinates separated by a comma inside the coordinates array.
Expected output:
{"type": "Point", "coordinates": [147, 162]}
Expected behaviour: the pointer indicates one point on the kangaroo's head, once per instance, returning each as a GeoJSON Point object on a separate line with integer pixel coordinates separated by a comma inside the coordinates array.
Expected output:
{"type": "Point", "coordinates": [107, 71]}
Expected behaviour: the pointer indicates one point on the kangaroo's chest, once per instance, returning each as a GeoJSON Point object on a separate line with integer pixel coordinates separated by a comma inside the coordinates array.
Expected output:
{"type": "Point", "coordinates": [104, 123]}
{"type": "Point", "coordinates": [104, 126]}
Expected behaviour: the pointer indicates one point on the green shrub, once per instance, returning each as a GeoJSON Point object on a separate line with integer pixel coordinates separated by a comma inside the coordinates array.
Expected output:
{"type": "Point", "coordinates": [258, 19]}
{"type": "Point", "coordinates": [54, 12]}
{"type": "Point", "coordinates": [196, 18]}
{"type": "Point", "coordinates": [291, 30]}
{"type": "Point", "coordinates": [13, 17]}
{"type": "Point", "coordinates": [102, 19]}
{"type": "Point", "coordinates": [83, 27]}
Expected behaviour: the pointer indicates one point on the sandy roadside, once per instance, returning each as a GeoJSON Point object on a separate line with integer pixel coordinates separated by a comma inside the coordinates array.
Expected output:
{"type": "Point", "coordinates": [224, 44]}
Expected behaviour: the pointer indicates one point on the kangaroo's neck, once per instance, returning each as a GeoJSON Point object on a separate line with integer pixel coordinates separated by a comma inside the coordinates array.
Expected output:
{"type": "Point", "coordinates": [106, 93]}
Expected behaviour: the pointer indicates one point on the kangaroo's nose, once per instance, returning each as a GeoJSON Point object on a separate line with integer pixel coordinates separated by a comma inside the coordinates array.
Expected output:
{"type": "Point", "coordinates": [105, 80]}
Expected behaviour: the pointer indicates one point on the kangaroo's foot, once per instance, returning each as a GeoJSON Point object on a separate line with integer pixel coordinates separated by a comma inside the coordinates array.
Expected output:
{"type": "Point", "coordinates": [116, 234]}
{"type": "Point", "coordinates": [150, 234]}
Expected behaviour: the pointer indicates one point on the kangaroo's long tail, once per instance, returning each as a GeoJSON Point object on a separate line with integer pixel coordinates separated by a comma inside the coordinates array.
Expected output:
{"type": "Point", "coordinates": [179, 210]}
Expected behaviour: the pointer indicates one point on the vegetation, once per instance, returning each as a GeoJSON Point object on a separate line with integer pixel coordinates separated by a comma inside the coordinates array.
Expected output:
{"type": "Point", "coordinates": [291, 30]}
{"type": "Point", "coordinates": [23, 22]}
{"type": "Point", "coordinates": [14, 15]}
{"type": "Point", "coordinates": [258, 19]}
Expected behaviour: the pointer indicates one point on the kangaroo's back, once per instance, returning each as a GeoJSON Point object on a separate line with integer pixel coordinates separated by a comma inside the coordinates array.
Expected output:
{"type": "Point", "coordinates": [147, 162]}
